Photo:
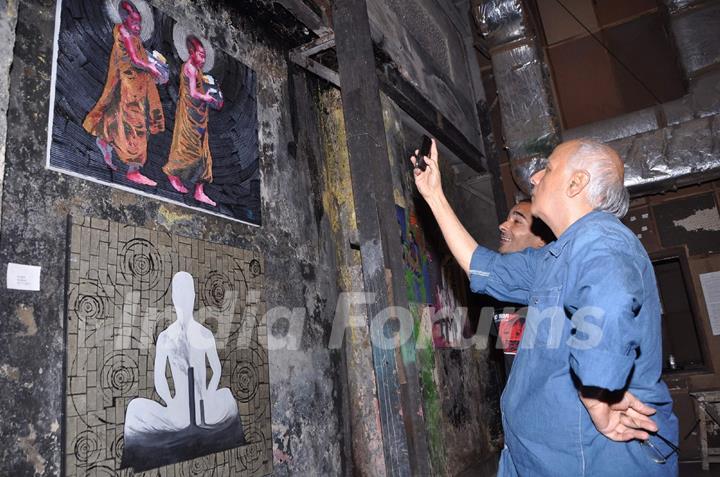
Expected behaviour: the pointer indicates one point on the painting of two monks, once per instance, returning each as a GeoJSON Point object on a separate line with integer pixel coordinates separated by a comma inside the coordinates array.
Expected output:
{"type": "Point", "coordinates": [147, 104]}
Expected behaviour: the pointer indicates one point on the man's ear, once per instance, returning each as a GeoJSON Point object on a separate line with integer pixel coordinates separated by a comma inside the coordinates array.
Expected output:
{"type": "Point", "coordinates": [578, 181]}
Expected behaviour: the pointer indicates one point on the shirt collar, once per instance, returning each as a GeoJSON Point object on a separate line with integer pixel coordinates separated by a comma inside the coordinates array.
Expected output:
{"type": "Point", "coordinates": [556, 247]}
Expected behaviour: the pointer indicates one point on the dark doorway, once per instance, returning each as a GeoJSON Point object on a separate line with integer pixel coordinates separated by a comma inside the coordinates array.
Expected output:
{"type": "Point", "coordinates": [681, 344]}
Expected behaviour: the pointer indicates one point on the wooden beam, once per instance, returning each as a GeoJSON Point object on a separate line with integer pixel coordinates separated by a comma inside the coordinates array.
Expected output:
{"type": "Point", "coordinates": [316, 68]}
{"type": "Point", "coordinates": [421, 110]}
{"type": "Point", "coordinates": [404, 439]}
{"type": "Point", "coordinates": [301, 57]}
{"type": "Point", "coordinates": [319, 44]}
{"type": "Point", "coordinates": [306, 16]}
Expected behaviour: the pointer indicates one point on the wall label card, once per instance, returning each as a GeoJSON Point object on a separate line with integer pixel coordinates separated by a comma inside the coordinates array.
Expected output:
{"type": "Point", "coordinates": [711, 289]}
{"type": "Point", "coordinates": [23, 277]}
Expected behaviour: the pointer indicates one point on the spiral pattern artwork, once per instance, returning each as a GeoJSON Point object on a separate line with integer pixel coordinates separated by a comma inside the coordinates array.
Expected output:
{"type": "Point", "coordinates": [253, 455]}
{"type": "Point", "coordinates": [119, 375]}
{"type": "Point", "coordinates": [89, 307]}
{"type": "Point", "coordinates": [219, 292]}
{"type": "Point", "coordinates": [87, 447]}
{"type": "Point", "coordinates": [117, 447]}
{"type": "Point", "coordinates": [248, 362]}
{"type": "Point", "coordinates": [255, 267]}
{"type": "Point", "coordinates": [102, 471]}
{"type": "Point", "coordinates": [200, 467]}
{"type": "Point", "coordinates": [89, 302]}
{"type": "Point", "coordinates": [118, 307]}
{"type": "Point", "coordinates": [244, 381]}
{"type": "Point", "coordinates": [141, 261]}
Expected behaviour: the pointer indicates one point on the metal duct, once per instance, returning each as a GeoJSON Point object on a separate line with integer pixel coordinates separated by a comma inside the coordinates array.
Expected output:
{"type": "Point", "coordinates": [644, 158]}
{"type": "Point", "coordinates": [678, 111]}
{"type": "Point", "coordinates": [523, 83]}
{"type": "Point", "coordinates": [619, 127]}
{"type": "Point", "coordinates": [685, 153]}
{"type": "Point", "coordinates": [697, 35]}
{"type": "Point", "coordinates": [685, 150]}
{"type": "Point", "coordinates": [523, 169]}
{"type": "Point", "coordinates": [524, 102]}
{"type": "Point", "coordinates": [500, 21]}
{"type": "Point", "coordinates": [677, 5]}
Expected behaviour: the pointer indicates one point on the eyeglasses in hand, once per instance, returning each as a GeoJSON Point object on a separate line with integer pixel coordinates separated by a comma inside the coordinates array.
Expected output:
{"type": "Point", "coordinates": [654, 453]}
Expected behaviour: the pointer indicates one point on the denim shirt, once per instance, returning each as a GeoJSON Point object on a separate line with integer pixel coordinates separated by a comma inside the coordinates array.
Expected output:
{"type": "Point", "coordinates": [593, 318]}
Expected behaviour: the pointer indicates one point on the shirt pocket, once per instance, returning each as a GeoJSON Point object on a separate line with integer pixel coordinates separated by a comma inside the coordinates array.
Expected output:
{"type": "Point", "coordinates": [545, 322]}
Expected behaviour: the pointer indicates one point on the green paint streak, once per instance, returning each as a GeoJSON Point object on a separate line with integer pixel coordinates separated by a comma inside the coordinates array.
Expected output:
{"type": "Point", "coordinates": [420, 347]}
{"type": "Point", "coordinates": [431, 401]}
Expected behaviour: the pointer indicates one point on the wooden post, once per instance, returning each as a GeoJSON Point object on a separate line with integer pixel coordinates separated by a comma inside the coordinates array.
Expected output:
{"type": "Point", "coordinates": [700, 410]}
{"type": "Point", "coordinates": [404, 438]}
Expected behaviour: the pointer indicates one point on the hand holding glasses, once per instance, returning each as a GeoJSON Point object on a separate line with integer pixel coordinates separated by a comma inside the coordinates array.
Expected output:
{"type": "Point", "coordinates": [655, 454]}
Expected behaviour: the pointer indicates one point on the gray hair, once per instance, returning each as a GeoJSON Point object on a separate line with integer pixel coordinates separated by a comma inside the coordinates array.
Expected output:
{"type": "Point", "coordinates": [606, 190]}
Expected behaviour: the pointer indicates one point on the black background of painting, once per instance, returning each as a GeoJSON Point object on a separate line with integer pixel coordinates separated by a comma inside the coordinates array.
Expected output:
{"type": "Point", "coordinates": [84, 46]}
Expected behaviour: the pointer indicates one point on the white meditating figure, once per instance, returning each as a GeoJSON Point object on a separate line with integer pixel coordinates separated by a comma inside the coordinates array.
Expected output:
{"type": "Point", "coordinates": [186, 345]}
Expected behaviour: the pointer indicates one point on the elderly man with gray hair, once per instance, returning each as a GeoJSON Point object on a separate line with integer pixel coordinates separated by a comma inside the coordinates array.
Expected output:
{"type": "Point", "coordinates": [587, 376]}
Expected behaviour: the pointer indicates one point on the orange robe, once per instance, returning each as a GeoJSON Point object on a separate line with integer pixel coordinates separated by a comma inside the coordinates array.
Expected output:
{"type": "Point", "coordinates": [129, 105]}
{"type": "Point", "coordinates": [190, 157]}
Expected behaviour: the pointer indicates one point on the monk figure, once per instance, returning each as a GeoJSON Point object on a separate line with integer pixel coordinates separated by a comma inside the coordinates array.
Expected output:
{"type": "Point", "coordinates": [199, 417]}
{"type": "Point", "coordinates": [190, 159]}
{"type": "Point", "coordinates": [129, 107]}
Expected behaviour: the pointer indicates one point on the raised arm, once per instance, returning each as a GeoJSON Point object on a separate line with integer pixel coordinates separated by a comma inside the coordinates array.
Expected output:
{"type": "Point", "coordinates": [505, 277]}
{"type": "Point", "coordinates": [460, 242]}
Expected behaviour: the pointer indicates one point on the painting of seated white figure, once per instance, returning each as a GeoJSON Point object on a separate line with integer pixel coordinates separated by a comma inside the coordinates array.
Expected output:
{"type": "Point", "coordinates": [166, 356]}
{"type": "Point", "coordinates": [199, 418]}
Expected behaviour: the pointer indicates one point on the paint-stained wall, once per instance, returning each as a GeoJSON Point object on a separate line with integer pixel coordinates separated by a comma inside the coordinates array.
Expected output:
{"type": "Point", "coordinates": [294, 239]}
{"type": "Point", "coordinates": [459, 388]}
{"type": "Point", "coordinates": [339, 205]}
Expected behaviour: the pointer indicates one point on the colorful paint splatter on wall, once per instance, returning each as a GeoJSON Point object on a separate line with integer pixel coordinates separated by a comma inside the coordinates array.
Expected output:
{"type": "Point", "coordinates": [455, 380]}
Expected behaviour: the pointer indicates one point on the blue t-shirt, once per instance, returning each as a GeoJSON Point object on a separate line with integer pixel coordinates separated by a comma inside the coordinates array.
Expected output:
{"type": "Point", "coordinates": [594, 318]}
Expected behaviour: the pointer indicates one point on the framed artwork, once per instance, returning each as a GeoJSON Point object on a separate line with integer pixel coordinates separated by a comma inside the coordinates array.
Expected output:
{"type": "Point", "coordinates": [166, 356]}
{"type": "Point", "coordinates": [693, 221]}
{"type": "Point", "coordinates": [144, 103]}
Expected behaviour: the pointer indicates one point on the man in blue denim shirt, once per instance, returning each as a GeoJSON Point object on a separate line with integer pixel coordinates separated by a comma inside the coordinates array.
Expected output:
{"type": "Point", "coordinates": [588, 373]}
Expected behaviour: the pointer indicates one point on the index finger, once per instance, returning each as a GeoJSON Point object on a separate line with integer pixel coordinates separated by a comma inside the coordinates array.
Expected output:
{"type": "Point", "coordinates": [432, 159]}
